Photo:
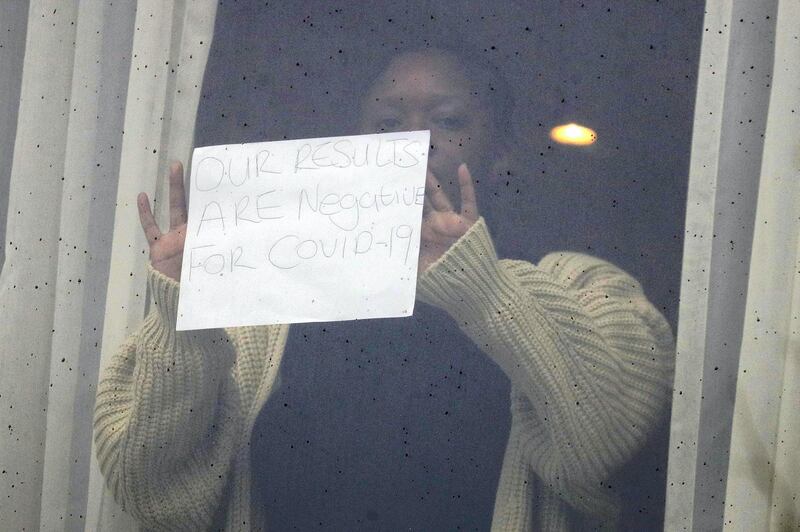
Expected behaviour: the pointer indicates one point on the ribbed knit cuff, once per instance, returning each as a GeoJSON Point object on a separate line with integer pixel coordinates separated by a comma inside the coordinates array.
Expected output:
{"type": "Point", "coordinates": [165, 293]}
{"type": "Point", "coordinates": [467, 276]}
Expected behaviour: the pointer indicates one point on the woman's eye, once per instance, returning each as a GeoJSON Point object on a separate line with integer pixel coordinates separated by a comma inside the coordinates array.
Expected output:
{"type": "Point", "coordinates": [387, 124]}
{"type": "Point", "coordinates": [450, 122]}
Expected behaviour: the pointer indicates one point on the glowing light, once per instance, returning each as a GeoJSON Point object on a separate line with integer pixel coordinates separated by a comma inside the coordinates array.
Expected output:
{"type": "Point", "coordinates": [573, 134]}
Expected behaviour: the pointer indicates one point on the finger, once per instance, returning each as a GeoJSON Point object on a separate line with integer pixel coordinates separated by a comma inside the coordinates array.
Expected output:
{"type": "Point", "coordinates": [469, 203]}
{"type": "Point", "coordinates": [151, 231]}
{"type": "Point", "coordinates": [437, 195]}
{"type": "Point", "coordinates": [177, 199]}
{"type": "Point", "coordinates": [447, 225]}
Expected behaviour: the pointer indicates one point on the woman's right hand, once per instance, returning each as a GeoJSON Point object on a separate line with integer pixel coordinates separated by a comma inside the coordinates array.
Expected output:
{"type": "Point", "coordinates": [166, 249]}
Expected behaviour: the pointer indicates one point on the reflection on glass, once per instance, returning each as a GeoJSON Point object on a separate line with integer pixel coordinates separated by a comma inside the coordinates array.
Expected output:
{"type": "Point", "coordinates": [573, 134]}
{"type": "Point", "coordinates": [531, 386]}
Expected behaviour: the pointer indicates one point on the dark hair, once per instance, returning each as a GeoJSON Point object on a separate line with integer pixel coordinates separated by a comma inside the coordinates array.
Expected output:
{"type": "Point", "coordinates": [489, 84]}
{"type": "Point", "coordinates": [243, 101]}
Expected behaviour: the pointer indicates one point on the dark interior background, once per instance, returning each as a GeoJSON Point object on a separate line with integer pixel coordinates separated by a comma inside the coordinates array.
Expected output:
{"type": "Point", "coordinates": [627, 69]}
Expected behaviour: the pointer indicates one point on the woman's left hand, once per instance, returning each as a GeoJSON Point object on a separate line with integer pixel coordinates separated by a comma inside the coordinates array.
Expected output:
{"type": "Point", "coordinates": [441, 224]}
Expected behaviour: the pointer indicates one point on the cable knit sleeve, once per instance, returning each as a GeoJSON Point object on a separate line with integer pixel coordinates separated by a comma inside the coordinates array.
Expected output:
{"type": "Point", "coordinates": [589, 357]}
{"type": "Point", "coordinates": [166, 419]}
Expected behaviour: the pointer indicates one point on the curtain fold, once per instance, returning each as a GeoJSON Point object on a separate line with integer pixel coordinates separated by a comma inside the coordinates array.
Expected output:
{"type": "Point", "coordinates": [104, 33]}
{"type": "Point", "coordinates": [28, 279]}
{"type": "Point", "coordinates": [170, 51]}
{"type": "Point", "coordinates": [763, 491]}
{"type": "Point", "coordinates": [733, 93]}
{"type": "Point", "coordinates": [13, 26]}
{"type": "Point", "coordinates": [108, 95]}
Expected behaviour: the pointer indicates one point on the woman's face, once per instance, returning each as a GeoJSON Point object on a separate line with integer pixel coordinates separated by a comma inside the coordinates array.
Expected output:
{"type": "Point", "coordinates": [429, 90]}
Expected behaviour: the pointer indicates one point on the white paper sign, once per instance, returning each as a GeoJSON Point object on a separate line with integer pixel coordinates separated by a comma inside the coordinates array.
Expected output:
{"type": "Point", "coordinates": [303, 230]}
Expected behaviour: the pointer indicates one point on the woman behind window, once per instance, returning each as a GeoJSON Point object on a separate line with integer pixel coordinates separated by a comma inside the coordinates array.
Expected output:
{"type": "Point", "coordinates": [401, 423]}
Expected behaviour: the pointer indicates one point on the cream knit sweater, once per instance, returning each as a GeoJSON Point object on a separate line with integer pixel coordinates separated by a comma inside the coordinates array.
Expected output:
{"type": "Point", "coordinates": [589, 358]}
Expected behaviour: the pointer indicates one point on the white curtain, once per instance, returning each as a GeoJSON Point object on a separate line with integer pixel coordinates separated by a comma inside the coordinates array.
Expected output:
{"type": "Point", "coordinates": [108, 95]}
{"type": "Point", "coordinates": [763, 491]}
{"type": "Point", "coordinates": [739, 307]}
{"type": "Point", "coordinates": [96, 98]}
